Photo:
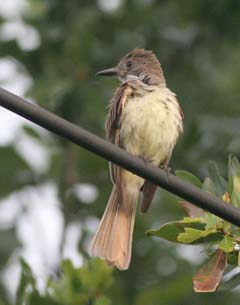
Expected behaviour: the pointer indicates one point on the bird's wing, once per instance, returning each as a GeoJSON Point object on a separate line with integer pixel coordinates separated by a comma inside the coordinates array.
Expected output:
{"type": "Point", "coordinates": [117, 105]}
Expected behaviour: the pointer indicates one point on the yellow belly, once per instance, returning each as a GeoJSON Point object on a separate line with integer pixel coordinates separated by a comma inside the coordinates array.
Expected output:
{"type": "Point", "coordinates": [150, 125]}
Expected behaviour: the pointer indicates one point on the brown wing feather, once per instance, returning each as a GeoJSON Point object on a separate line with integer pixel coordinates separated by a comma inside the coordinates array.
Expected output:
{"type": "Point", "coordinates": [112, 123]}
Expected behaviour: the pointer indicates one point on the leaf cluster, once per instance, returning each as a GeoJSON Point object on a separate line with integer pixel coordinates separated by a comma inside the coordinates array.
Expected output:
{"type": "Point", "coordinates": [221, 238]}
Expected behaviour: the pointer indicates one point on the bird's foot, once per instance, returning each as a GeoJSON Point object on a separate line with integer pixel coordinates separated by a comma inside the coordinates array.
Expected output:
{"type": "Point", "coordinates": [167, 170]}
{"type": "Point", "coordinates": [142, 157]}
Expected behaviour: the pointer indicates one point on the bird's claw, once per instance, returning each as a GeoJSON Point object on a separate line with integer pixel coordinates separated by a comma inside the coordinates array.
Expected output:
{"type": "Point", "coordinates": [167, 170]}
{"type": "Point", "coordinates": [143, 158]}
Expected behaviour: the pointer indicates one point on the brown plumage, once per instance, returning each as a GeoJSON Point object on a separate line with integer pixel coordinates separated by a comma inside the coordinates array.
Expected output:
{"type": "Point", "coordinates": [145, 119]}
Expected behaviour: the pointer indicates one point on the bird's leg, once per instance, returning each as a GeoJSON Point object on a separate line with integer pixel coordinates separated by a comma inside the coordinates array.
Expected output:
{"type": "Point", "coordinates": [166, 168]}
{"type": "Point", "coordinates": [145, 160]}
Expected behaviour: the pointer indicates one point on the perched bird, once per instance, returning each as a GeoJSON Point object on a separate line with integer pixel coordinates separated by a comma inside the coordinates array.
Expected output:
{"type": "Point", "coordinates": [145, 119]}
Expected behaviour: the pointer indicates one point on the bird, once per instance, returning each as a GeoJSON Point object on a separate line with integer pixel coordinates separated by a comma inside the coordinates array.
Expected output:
{"type": "Point", "coordinates": [146, 120]}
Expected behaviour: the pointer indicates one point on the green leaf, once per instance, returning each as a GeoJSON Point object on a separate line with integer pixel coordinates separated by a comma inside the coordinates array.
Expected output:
{"type": "Point", "coordinates": [171, 230]}
{"type": "Point", "coordinates": [235, 196]}
{"type": "Point", "coordinates": [168, 231]}
{"type": "Point", "coordinates": [233, 170]}
{"type": "Point", "coordinates": [231, 173]}
{"type": "Point", "coordinates": [226, 244]}
{"type": "Point", "coordinates": [190, 235]}
{"type": "Point", "coordinates": [220, 183]}
{"type": "Point", "coordinates": [188, 177]}
{"type": "Point", "coordinates": [234, 181]}
{"type": "Point", "coordinates": [211, 220]}
{"type": "Point", "coordinates": [208, 186]}
{"type": "Point", "coordinates": [192, 220]}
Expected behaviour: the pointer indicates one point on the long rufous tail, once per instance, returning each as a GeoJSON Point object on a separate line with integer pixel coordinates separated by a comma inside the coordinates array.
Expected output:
{"type": "Point", "coordinates": [113, 240]}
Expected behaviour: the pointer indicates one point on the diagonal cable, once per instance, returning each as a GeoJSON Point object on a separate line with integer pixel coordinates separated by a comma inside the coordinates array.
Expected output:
{"type": "Point", "coordinates": [112, 153]}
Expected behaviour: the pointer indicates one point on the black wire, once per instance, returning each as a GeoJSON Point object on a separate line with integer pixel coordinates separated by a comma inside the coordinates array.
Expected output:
{"type": "Point", "coordinates": [117, 155]}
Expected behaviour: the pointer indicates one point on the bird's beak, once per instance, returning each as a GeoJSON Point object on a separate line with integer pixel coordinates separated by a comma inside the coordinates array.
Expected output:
{"type": "Point", "coordinates": [108, 72]}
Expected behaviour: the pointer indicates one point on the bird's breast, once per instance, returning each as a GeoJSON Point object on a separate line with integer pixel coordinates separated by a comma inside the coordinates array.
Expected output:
{"type": "Point", "coordinates": [150, 125]}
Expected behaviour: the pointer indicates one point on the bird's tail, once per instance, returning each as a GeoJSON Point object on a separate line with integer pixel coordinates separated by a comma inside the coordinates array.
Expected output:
{"type": "Point", "coordinates": [113, 240]}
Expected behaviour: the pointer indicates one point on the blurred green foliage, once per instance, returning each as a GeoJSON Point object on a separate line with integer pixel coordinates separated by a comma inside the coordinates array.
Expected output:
{"type": "Point", "coordinates": [76, 286]}
{"type": "Point", "coordinates": [198, 46]}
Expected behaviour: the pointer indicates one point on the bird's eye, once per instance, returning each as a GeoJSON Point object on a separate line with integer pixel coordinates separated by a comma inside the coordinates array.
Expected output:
{"type": "Point", "coordinates": [129, 64]}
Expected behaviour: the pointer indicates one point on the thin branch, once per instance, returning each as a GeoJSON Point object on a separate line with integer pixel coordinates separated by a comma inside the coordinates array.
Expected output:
{"type": "Point", "coordinates": [116, 155]}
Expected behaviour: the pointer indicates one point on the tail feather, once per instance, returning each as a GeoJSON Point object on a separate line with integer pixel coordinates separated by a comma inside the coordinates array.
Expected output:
{"type": "Point", "coordinates": [113, 240]}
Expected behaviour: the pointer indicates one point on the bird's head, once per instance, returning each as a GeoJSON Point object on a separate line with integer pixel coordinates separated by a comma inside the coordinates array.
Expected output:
{"type": "Point", "coordinates": [140, 63]}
